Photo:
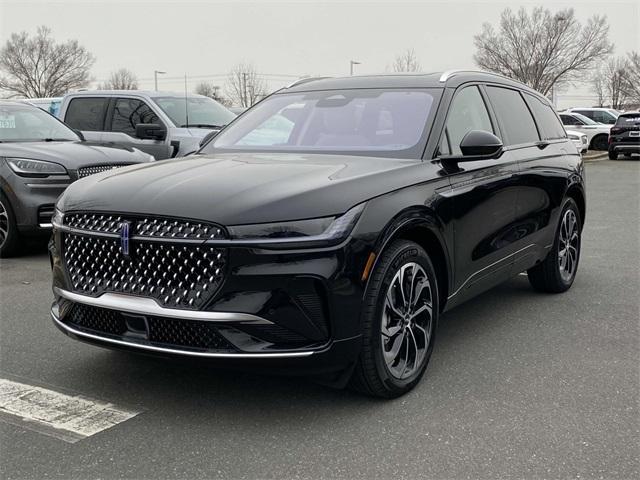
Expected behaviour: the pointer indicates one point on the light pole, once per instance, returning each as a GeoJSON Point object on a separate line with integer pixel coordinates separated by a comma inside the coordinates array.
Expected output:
{"type": "Point", "coordinates": [351, 64]}
{"type": "Point", "coordinates": [155, 77]}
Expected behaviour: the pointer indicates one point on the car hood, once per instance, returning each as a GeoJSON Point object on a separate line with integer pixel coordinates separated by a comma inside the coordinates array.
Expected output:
{"type": "Point", "coordinates": [73, 155]}
{"type": "Point", "coordinates": [243, 188]}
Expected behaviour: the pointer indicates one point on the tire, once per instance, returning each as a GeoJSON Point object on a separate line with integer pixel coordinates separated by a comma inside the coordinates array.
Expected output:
{"type": "Point", "coordinates": [376, 372]}
{"type": "Point", "coordinates": [599, 142]}
{"type": "Point", "coordinates": [556, 273]}
{"type": "Point", "coordinates": [9, 236]}
{"type": "Point", "coordinates": [613, 155]}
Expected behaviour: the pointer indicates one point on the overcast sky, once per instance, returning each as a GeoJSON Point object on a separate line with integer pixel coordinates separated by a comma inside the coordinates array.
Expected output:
{"type": "Point", "coordinates": [286, 39]}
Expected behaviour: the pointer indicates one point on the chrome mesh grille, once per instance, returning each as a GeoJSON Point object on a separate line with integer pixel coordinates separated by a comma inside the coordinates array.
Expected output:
{"type": "Point", "coordinates": [86, 171]}
{"type": "Point", "coordinates": [177, 275]}
{"type": "Point", "coordinates": [144, 226]}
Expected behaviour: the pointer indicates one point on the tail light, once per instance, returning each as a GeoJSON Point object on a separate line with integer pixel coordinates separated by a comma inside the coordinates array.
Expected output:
{"type": "Point", "coordinates": [615, 130]}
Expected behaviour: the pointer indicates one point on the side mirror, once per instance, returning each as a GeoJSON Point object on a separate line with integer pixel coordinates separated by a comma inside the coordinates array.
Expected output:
{"type": "Point", "coordinates": [480, 143]}
{"type": "Point", "coordinates": [208, 137]}
{"type": "Point", "coordinates": [151, 131]}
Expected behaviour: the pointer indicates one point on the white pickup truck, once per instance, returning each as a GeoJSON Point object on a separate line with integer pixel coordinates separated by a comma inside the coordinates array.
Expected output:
{"type": "Point", "coordinates": [163, 124]}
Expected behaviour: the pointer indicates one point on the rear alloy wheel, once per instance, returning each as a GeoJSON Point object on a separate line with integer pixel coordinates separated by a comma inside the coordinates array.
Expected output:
{"type": "Point", "coordinates": [600, 142]}
{"type": "Point", "coordinates": [9, 238]}
{"type": "Point", "coordinates": [555, 274]}
{"type": "Point", "coordinates": [399, 318]}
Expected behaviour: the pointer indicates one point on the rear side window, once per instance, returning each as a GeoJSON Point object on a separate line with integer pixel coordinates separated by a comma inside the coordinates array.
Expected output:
{"type": "Point", "coordinates": [87, 113]}
{"type": "Point", "coordinates": [514, 115]}
{"type": "Point", "coordinates": [128, 112]}
{"type": "Point", "coordinates": [569, 120]}
{"type": "Point", "coordinates": [467, 112]}
{"type": "Point", "coordinates": [548, 123]}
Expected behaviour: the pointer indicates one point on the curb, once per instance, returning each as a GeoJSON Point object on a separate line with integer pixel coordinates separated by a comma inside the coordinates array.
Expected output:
{"type": "Point", "coordinates": [597, 157]}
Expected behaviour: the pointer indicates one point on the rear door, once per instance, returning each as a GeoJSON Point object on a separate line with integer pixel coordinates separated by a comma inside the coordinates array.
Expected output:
{"type": "Point", "coordinates": [123, 116]}
{"type": "Point", "coordinates": [537, 150]}
{"type": "Point", "coordinates": [483, 199]}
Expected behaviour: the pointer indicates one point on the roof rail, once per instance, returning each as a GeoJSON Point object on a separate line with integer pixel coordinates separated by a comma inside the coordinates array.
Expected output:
{"type": "Point", "coordinates": [450, 73]}
{"type": "Point", "coordinates": [304, 80]}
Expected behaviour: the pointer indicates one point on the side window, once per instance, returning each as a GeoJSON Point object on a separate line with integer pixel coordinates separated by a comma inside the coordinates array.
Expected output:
{"type": "Point", "coordinates": [586, 113]}
{"type": "Point", "coordinates": [467, 112]}
{"type": "Point", "coordinates": [128, 112]}
{"type": "Point", "coordinates": [86, 113]}
{"type": "Point", "coordinates": [569, 120]}
{"type": "Point", "coordinates": [514, 116]}
{"type": "Point", "coordinates": [548, 123]}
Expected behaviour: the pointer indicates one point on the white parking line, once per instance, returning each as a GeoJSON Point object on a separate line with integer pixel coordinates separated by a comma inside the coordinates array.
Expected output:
{"type": "Point", "coordinates": [69, 418]}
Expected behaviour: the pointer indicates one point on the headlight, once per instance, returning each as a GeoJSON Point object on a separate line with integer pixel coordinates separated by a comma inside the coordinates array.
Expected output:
{"type": "Point", "coordinates": [323, 229]}
{"type": "Point", "coordinates": [27, 167]}
{"type": "Point", "coordinates": [58, 218]}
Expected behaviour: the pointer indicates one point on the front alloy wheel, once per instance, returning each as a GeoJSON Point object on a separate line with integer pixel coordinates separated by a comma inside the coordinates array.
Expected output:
{"type": "Point", "coordinates": [399, 318]}
{"type": "Point", "coordinates": [406, 321]}
{"type": "Point", "coordinates": [8, 231]}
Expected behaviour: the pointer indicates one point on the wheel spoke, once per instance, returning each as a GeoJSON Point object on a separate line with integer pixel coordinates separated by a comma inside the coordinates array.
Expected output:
{"type": "Point", "coordinates": [392, 354]}
{"type": "Point", "coordinates": [426, 307]}
{"type": "Point", "coordinates": [391, 305]}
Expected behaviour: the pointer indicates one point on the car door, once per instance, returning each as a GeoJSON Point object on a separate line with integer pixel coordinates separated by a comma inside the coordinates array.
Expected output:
{"type": "Point", "coordinates": [123, 116]}
{"type": "Point", "coordinates": [482, 199]}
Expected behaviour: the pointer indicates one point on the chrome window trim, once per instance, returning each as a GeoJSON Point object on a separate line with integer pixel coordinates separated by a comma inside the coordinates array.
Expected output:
{"type": "Point", "coordinates": [69, 330]}
{"type": "Point", "coordinates": [148, 306]}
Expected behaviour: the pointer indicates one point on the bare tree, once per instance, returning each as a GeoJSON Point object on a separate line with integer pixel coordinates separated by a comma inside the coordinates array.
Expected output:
{"type": "Point", "coordinates": [407, 62]}
{"type": "Point", "coordinates": [122, 79]}
{"type": "Point", "coordinates": [598, 85]}
{"type": "Point", "coordinates": [39, 67]}
{"type": "Point", "coordinates": [542, 50]}
{"type": "Point", "coordinates": [211, 90]}
{"type": "Point", "coordinates": [244, 86]}
{"type": "Point", "coordinates": [632, 84]}
{"type": "Point", "coordinates": [615, 73]}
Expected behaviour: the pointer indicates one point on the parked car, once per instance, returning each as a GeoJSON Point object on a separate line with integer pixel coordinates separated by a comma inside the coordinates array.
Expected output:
{"type": "Point", "coordinates": [597, 133]}
{"type": "Point", "coordinates": [39, 157]}
{"type": "Point", "coordinates": [51, 104]}
{"type": "Point", "coordinates": [332, 243]}
{"type": "Point", "coordinates": [163, 124]}
{"type": "Point", "coordinates": [237, 110]}
{"type": "Point", "coordinates": [606, 116]}
{"type": "Point", "coordinates": [625, 135]}
{"type": "Point", "coordinates": [580, 140]}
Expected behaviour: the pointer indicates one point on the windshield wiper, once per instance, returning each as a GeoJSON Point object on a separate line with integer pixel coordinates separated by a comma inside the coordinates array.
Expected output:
{"type": "Point", "coordinates": [200, 125]}
{"type": "Point", "coordinates": [57, 140]}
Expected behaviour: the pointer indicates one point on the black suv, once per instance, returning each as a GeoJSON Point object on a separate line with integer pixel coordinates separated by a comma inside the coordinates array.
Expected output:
{"type": "Point", "coordinates": [625, 135]}
{"type": "Point", "coordinates": [326, 229]}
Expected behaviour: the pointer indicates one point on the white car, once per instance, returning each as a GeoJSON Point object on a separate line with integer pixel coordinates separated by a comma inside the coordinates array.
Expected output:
{"type": "Point", "coordinates": [608, 116]}
{"type": "Point", "coordinates": [597, 133]}
{"type": "Point", "coordinates": [580, 140]}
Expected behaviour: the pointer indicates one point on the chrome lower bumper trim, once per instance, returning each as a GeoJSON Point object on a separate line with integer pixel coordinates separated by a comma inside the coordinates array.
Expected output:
{"type": "Point", "coordinates": [148, 306]}
{"type": "Point", "coordinates": [45, 225]}
{"type": "Point", "coordinates": [172, 351]}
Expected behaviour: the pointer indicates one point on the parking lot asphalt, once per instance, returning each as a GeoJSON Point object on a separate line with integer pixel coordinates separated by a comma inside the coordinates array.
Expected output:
{"type": "Point", "coordinates": [520, 385]}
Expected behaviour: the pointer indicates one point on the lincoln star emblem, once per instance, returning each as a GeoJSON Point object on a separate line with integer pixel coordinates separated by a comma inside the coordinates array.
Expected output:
{"type": "Point", "coordinates": [125, 236]}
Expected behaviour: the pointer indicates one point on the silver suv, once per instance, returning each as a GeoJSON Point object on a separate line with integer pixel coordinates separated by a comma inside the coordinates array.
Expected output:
{"type": "Point", "coordinates": [163, 124]}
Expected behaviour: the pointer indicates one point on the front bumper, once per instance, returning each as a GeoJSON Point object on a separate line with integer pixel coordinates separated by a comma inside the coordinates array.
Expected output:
{"type": "Point", "coordinates": [296, 309]}
{"type": "Point", "coordinates": [32, 199]}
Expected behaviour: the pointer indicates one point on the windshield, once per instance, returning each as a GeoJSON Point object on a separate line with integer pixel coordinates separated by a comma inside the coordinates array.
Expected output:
{"type": "Point", "coordinates": [585, 120]}
{"type": "Point", "coordinates": [26, 123]}
{"type": "Point", "coordinates": [203, 112]}
{"type": "Point", "coordinates": [363, 121]}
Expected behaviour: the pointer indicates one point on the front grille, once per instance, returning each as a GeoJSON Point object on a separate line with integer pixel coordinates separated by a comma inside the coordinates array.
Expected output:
{"type": "Point", "coordinates": [86, 171]}
{"type": "Point", "coordinates": [144, 226]}
{"type": "Point", "coordinates": [161, 331]}
{"type": "Point", "coordinates": [177, 275]}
